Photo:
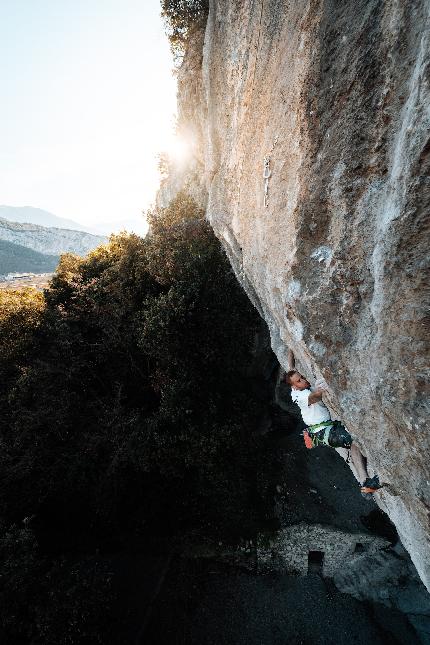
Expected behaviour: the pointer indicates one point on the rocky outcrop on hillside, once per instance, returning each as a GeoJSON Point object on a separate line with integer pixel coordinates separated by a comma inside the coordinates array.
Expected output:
{"type": "Point", "coordinates": [335, 98]}
{"type": "Point", "coordinates": [49, 240]}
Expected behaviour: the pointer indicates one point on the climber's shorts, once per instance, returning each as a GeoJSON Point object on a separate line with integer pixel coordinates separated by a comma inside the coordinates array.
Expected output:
{"type": "Point", "coordinates": [335, 436]}
{"type": "Point", "coordinates": [339, 437]}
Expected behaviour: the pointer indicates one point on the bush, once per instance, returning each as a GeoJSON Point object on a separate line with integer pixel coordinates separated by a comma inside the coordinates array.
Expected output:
{"type": "Point", "coordinates": [127, 408]}
{"type": "Point", "coordinates": [135, 382]}
{"type": "Point", "coordinates": [181, 16]}
{"type": "Point", "coordinates": [20, 315]}
{"type": "Point", "coordinates": [49, 601]}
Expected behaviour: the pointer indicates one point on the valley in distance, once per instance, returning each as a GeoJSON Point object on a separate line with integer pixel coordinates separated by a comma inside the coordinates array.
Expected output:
{"type": "Point", "coordinates": [32, 240]}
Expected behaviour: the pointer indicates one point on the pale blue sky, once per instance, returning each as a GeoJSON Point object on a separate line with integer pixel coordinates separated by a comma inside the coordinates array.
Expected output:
{"type": "Point", "coordinates": [87, 100]}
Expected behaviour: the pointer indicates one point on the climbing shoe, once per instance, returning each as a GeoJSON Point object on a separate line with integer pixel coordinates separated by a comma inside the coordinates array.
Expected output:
{"type": "Point", "coordinates": [370, 486]}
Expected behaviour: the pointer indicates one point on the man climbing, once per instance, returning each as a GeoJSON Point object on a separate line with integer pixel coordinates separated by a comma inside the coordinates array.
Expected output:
{"type": "Point", "coordinates": [321, 429]}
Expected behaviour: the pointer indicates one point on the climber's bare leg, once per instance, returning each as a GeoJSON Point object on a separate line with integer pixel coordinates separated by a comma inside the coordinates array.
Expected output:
{"type": "Point", "coordinates": [358, 462]}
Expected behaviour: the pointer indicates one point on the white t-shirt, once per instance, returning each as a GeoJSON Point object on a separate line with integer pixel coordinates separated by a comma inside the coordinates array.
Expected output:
{"type": "Point", "coordinates": [311, 414]}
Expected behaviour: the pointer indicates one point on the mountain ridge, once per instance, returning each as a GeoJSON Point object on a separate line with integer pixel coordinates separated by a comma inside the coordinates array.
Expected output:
{"type": "Point", "coordinates": [49, 240]}
{"type": "Point", "coordinates": [41, 217]}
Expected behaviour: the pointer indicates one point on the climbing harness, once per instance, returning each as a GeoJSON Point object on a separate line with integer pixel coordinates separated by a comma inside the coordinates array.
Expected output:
{"type": "Point", "coordinates": [317, 434]}
{"type": "Point", "coordinates": [322, 424]}
{"type": "Point", "coordinates": [327, 433]}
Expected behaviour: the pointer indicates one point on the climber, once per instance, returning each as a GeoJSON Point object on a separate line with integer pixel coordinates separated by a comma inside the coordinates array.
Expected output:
{"type": "Point", "coordinates": [321, 429]}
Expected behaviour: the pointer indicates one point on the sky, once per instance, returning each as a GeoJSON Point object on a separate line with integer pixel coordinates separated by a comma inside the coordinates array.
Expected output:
{"type": "Point", "coordinates": [87, 101]}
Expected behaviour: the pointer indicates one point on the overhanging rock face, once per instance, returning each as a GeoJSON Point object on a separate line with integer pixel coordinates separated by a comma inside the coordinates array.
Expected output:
{"type": "Point", "coordinates": [331, 244]}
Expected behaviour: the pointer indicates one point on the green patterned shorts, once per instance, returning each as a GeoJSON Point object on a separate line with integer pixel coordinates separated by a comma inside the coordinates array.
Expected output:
{"type": "Point", "coordinates": [335, 436]}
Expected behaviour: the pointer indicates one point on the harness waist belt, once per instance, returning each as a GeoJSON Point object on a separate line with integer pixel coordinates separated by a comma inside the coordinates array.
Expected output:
{"type": "Point", "coordinates": [318, 426]}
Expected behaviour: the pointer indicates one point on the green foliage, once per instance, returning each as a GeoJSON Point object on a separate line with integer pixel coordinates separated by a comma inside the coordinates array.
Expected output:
{"type": "Point", "coordinates": [181, 209]}
{"type": "Point", "coordinates": [181, 16]}
{"type": "Point", "coordinates": [15, 258]}
{"type": "Point", "coordinates": [126, 407]}
{"type": "Point", "coordinates": [50, 601]}
{"type": "Point", "coordinates": [21, 314]}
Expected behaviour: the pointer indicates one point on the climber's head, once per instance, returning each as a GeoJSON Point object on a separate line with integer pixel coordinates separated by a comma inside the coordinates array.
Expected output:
{"type": "Point", "coordinates": [296, 380]}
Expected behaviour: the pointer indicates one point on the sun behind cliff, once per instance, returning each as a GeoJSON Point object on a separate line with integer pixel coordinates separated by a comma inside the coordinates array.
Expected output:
{"type": "Point", "coordinates": [178, 149]}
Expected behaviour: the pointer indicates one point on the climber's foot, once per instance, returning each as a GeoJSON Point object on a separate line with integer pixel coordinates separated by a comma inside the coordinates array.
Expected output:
{"type": "Point", "coordinates": [370, 486]}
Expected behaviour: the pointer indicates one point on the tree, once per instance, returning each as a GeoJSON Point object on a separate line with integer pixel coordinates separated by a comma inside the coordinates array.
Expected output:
{"type": "Point", "coordinates": [181, 16]}
{"type": "Point", "coordinates": [135, 382]}
{"type": "Point", "coordinates": [125, 408]}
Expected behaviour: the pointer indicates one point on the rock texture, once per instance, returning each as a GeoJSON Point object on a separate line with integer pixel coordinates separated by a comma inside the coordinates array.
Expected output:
{"type": "Point", "coordinates": [292, 548]}
{"type": "Point", "coordinates": [388, 578]}
{"type": "Point", "coordinates": [337, 95]}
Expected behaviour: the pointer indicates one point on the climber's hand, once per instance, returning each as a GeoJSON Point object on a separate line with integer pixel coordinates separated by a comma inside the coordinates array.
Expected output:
{"type": "Point", "coordinates": [315, 396]}
{"type": "Point", "coordinates": [320, 384]}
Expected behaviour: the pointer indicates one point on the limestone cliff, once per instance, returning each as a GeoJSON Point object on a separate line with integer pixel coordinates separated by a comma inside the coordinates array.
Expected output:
{"type": "Point", "coordinates": [336, 96]}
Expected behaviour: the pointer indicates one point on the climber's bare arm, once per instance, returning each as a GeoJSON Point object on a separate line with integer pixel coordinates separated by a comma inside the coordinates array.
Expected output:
{"type": "Point", "coordinates": [315, 396]}
{"type": "Point", "coordinates": [291, 360]}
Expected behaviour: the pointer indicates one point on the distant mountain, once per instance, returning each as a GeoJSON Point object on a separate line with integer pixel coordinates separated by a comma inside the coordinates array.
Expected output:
{"type": "Point", "coordinates": [50, 241]}
{"type": "Point", "coordinates": [30, 215]}
{"type": "Point", "coordinates": [19, 259]}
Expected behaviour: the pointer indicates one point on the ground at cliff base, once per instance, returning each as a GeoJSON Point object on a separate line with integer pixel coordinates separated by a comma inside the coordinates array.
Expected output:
{"type": "Point", "coordinates": [208, 603]}
{"type": "Point", "coordinates": [317, 486]}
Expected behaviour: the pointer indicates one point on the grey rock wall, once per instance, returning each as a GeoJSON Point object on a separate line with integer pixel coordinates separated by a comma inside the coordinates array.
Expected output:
{"type": "Point", "coordinates": [290, 550]}
{"type": "Point", "coordinates": [388, 577]}
{"type": "Point", "coordinates": [337, 95]}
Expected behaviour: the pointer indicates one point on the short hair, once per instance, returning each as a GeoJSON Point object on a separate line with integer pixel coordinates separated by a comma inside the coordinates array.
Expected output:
{"type": "Point", "coordinates": [289, 374]}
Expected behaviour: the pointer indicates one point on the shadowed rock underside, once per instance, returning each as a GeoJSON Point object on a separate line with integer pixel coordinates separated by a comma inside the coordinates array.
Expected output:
{"type": "Point", "coordinates": [337, 96]}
